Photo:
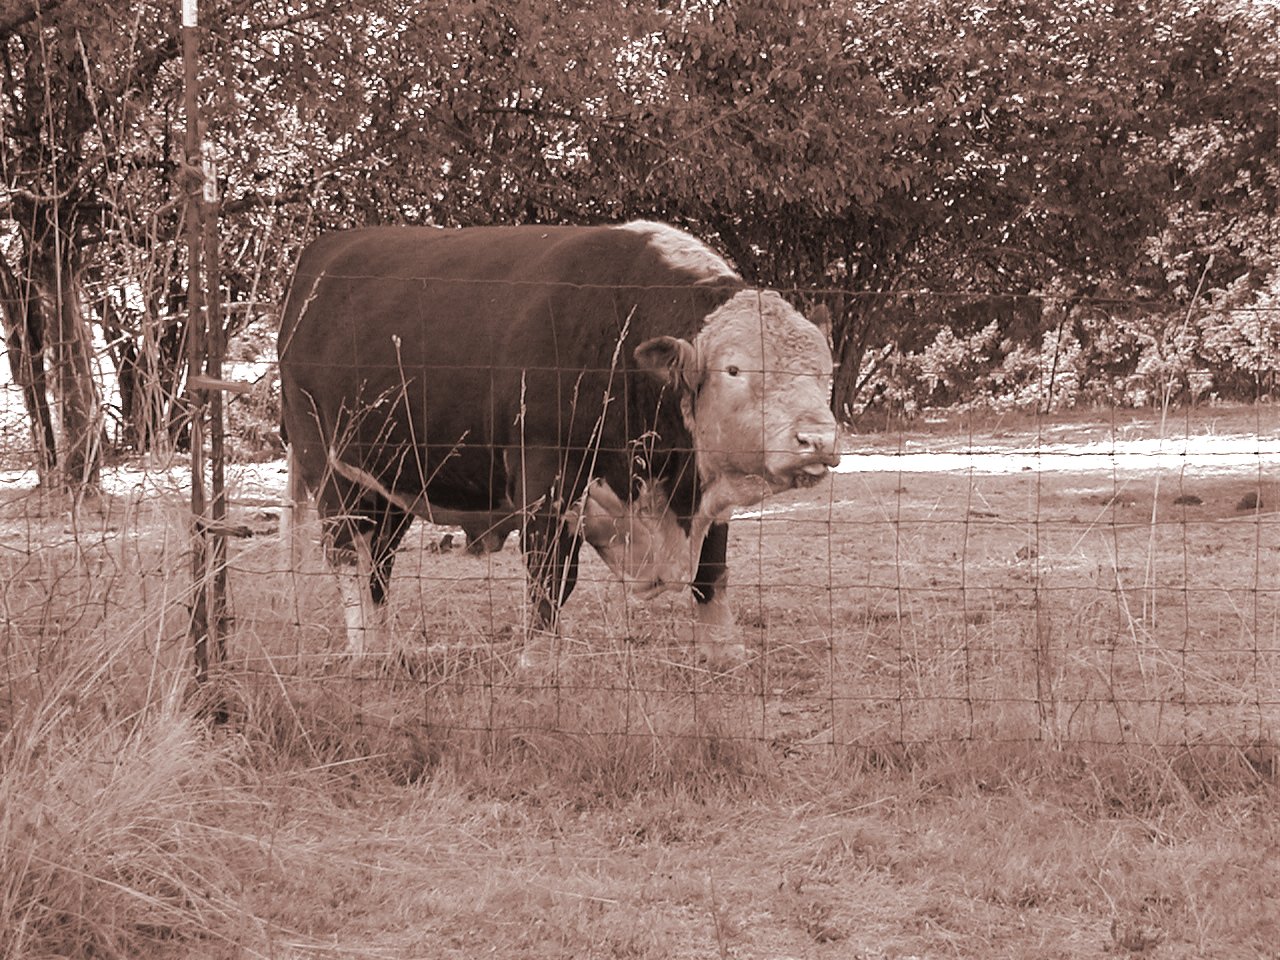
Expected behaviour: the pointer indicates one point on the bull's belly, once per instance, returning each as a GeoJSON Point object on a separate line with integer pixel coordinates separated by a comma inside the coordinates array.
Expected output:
{"type": "Point", "coordinates": [470, 480]}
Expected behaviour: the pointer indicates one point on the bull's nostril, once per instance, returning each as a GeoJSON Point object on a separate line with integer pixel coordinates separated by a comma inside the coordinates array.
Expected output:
{"type": "Point", "coordinates": [819, 445]}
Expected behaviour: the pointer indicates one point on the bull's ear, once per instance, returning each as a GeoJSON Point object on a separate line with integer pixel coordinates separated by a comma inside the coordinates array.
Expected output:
{"type": "Point", "coordinates": [671, 360]}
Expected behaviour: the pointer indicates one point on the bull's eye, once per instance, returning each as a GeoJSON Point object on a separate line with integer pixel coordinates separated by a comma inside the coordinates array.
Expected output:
{"type": "Point", "coordinates": [732, 370]}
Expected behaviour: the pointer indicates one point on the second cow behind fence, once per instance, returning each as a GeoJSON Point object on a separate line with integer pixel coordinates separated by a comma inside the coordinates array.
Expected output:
{"type": "Point", "coordinates": [619, 384]}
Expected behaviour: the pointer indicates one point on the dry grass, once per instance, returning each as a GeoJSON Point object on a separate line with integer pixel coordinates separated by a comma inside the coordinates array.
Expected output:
{"type": "Point", "coordinates": [115, 798]}
{"type": "Point", "coordinates": [945, 747]}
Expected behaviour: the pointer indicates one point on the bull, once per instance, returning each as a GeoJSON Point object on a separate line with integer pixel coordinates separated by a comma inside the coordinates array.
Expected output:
{"type": "Point", "coordinates": [620, 385]}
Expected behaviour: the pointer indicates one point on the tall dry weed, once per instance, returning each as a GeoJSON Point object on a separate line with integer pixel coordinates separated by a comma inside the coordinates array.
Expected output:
{"type": "Point", "coordinates": [115, 797]}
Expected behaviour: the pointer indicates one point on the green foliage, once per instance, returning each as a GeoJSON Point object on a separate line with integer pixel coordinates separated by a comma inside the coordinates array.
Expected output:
{"type": "Point", "coordinates": [1239, 338]}
{"type": "Point", "coordinates": [846, 151]}
{"type": "Point", "coordinates": [982, 369]}
{"type": "Point", "coordinates": [253, 423]}
{"type": "Point", "coordinates": [856, 148]}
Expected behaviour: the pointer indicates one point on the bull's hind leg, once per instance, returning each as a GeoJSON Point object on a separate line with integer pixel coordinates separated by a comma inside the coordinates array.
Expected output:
{"type": "Point", "coordinates": [293, 510]}
{"type": "Point", "coordinates": [348, 547]}
{"type": "Point", "coordinates": [360, 547]}
{"type": "Point", "coordinates": [715, 634]}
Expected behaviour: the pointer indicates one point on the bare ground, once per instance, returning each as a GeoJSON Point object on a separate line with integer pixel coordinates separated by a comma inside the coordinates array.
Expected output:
{"type": "Point", "coordinates": [989, 713]}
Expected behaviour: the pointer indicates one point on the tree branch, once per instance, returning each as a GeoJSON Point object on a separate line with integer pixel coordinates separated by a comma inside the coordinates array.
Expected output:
{"type": "Point", "coordinates": [33, 10]}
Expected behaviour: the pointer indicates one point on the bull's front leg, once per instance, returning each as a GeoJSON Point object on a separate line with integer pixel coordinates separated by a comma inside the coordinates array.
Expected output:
{"type": "Point", "coordinates": [715, 634]}
{"type": "Point", "coordinates": [551, 546]}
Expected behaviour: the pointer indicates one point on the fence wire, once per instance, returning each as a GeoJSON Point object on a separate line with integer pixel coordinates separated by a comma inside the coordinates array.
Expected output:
{"type": "Point", "coordinates": [1102, 575]}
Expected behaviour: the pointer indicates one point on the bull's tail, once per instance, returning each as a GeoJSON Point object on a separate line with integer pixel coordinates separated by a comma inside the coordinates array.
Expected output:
{"type": "Point", "coordinates": [293, 512]}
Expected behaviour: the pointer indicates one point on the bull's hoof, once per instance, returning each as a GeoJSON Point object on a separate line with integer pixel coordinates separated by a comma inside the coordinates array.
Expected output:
{"type": "Point", "coordinates": [363, 642]}
{"type": "Point", "coordinates": [722, 656]}
{"type": "Point", "coordinates": [718, 645]}
{"type": "Point", "coordinates": [345, 663]}
{"type": "Point", "coordinates": [538, 653]}
{"type": "Point", "coordinates": [533, 660]}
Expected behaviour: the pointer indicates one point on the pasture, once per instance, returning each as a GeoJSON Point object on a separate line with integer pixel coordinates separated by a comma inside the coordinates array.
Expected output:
{"type": "Point", "coordinates": [1024, 705]}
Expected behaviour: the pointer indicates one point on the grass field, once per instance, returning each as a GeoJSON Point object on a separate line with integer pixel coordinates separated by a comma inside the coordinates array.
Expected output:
{"type": "Point", "coordinates": [990, 712]}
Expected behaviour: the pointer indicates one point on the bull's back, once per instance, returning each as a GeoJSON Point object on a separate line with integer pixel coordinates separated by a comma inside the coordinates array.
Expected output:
{"type": "Point", "coordinates": [397, 349]}
{"type": "Point", "coordinates": [370, 298]}
{"type": "Point", "coordinates": [433, 350]}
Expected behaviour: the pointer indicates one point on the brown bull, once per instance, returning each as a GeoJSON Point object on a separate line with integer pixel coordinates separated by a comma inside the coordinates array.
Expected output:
{"type": "Point", "coordinates": [615, 384]}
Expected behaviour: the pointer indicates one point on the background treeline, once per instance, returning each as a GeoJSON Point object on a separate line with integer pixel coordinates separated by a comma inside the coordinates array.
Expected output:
{"type": "Point", "coordinates": [1015, 202]}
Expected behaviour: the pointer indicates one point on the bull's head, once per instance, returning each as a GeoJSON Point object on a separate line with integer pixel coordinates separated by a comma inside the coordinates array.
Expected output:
{"type": "Point", "coordinates": [755, 388]}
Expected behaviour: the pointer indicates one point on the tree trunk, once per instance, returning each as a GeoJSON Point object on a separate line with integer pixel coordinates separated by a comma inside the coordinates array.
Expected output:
{"type": "Point", "coordinates": [79, 408]}
{"type": "Point", "coordinates": [20, 315]}
{"type": "Point", "coordinates": [852, 330]}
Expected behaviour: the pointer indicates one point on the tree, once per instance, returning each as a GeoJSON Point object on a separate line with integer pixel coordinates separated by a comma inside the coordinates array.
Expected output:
{"type": "Point", "coordinates": [851, 152]}
{"type": "Point", "coordinates": [1010, 147]}
{"type": "Point", "coordinates": [69, 99]}
{"type": "Point", "coordinates": [24, 341]}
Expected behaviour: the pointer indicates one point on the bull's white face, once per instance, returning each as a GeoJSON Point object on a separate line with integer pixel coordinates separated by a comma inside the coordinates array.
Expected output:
{"type": "Point", "coordinates": [756, 390]}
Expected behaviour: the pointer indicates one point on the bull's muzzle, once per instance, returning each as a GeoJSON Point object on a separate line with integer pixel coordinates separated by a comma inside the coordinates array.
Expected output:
{"type": "Point", "coordinates": [820, 446]}
{"type": "Point", "coordinates": [817, 450]}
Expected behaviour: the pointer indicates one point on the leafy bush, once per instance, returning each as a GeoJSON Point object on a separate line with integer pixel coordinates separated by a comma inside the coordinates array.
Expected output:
{"type": "Point", "coordinates": [253, 423]}
{"type": "Point", "coordinates": [1098, 353]}
{"type": "Point", "coordinates": [1240, 339]}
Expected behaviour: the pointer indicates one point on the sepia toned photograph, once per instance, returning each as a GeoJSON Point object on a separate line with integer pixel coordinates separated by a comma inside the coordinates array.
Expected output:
{"type": "Point", "coordinates": [639, 480]}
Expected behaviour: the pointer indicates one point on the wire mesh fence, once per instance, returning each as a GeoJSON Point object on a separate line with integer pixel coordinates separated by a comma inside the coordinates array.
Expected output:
{"type": "Point", "coordinates": [1107, 575]}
